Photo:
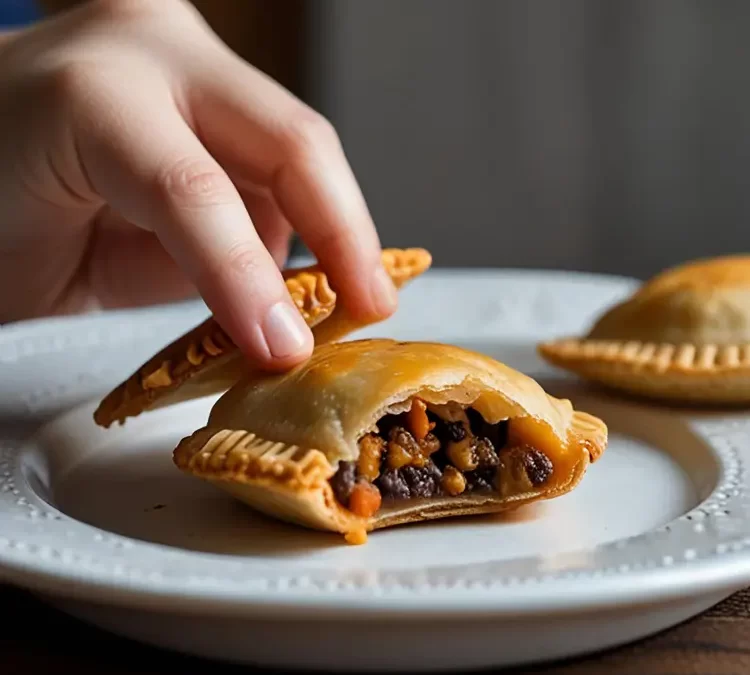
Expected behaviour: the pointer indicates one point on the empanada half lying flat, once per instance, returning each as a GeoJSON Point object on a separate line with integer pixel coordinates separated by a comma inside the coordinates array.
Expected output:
{"type": "Point", "coordinates": [683, 336]}
{"type": "Point", "coordinates": [369, 434]}
{"type": "Point", "coordinates": [204, 361]}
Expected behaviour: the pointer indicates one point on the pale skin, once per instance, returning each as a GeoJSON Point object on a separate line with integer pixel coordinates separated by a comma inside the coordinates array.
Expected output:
{"type": "Point", "coordinates": [142, 161]}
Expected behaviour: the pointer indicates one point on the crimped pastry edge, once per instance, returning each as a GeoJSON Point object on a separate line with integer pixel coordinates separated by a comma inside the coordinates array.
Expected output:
{"type": "Point", "coordinates": [287, 482]}
{"type": "Point", "coordinates": [588, 432]}
{"type": "Point", "coordinates": [405, 264]}
{"type": "Point", "coordinates": [707, 373]}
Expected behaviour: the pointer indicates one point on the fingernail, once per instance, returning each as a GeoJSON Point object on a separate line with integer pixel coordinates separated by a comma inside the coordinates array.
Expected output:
{"type": "Point", "coordinates": [385, 295]}
{"type": "Point", "coordinates": [284, 330]}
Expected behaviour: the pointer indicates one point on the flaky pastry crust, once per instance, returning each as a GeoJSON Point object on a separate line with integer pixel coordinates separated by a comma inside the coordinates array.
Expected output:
{"type": "Point", "coordinates": [274, 442]}
{"type": "Point", "coordinates": [205, 361]}
{"type": "Point", "coordinates": [683, 336]}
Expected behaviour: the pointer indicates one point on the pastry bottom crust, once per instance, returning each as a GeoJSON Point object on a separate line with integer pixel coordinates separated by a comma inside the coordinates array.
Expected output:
{"type": "Point", "coordinates": [315, 509]}
{"type": "Point", "coordinates": [293, 484]}
{"type": "Point", "coordinates": [698, 374]}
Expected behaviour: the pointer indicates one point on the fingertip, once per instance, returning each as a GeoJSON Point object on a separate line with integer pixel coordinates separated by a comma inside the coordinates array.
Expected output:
{"type": "Point", "coordinates": [383, 292]}
{"type": "Point", "coordinates": [266, 327]}
{"type": "Point", "coordinates": [287, 338]}
{"type": "Point", "coordinates": [277, 342]}
{"type": "Point", "coordinates": [283, 365]}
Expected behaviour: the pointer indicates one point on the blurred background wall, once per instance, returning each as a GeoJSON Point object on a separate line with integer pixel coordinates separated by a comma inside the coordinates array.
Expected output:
{"type": "Point", "coordinates": [18, 12]}
{"type": "Point", "coordinates": [609, 136]}
{"type": "Point", "coordinates": [578, 134]}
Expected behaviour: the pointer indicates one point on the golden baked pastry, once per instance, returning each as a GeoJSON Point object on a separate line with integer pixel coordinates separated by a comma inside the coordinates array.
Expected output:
{"type": "Point", "coordinates": [369, 434]}
{"type": "Point", "coordinates": [682, 336]}
{"type": "Point", "coordinates": [205, 361]}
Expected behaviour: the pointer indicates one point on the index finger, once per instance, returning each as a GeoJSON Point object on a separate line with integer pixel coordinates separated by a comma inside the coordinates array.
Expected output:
{"type": "Point", "coordinates": [264, 135]}
{"type": "Point", "coordinates": [317, 190]}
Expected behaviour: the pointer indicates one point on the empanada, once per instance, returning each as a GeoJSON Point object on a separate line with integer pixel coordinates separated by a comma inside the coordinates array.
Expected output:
{"type": "Point", "coordinates": [373, 433]}
{"type": "Point", "coordinates": [683, 336]}
{"type": "Point", "coordinates": [205, 361]}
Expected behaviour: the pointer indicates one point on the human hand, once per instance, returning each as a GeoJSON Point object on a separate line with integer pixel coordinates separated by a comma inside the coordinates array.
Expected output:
{"type": "Point", "coordinates": [141, 159]}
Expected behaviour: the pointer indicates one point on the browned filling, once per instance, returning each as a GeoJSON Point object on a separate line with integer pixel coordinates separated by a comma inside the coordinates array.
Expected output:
{"type": "Point", "coordinates": [429, 453]}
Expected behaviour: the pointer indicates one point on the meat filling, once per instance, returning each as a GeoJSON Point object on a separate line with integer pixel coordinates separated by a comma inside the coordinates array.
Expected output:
{"type": "Point", "coordinates": [421, 454]}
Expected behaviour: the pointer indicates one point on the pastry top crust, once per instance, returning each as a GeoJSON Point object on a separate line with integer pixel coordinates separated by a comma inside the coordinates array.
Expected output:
{"type": "Point", "coordinates": [707, 273]}
{"type": "Point", "coordinates": [340, 393]}
{"type": "Point", "coordinates": [700, 302]}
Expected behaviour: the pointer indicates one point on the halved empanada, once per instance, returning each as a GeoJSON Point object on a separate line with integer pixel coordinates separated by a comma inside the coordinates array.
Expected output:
{"type": "Point", "coordinates": [373, 433]}
{"type": "Point", "coordinates": [682, 336]}
{"type": "Point", "coordinates": [205, 361]}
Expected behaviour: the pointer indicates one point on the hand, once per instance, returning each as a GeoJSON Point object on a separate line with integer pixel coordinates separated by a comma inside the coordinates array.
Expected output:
{"type": "Point", "coordinates": [140, 159]}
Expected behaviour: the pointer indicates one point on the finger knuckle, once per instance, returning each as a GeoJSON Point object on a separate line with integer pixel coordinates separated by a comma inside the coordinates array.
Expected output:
{"type": "Point", "coordinates": [194, 183]}
{"type": "Point", "coordinates": [243, 260]}
{"type": "Point", "coordinates": [308, 132]}
{"type": "Point", "coordinates": [76, 80]}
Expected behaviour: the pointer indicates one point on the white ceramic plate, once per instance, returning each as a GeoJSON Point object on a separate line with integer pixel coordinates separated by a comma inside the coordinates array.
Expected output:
{"type": "Point", "coordinates": [104, 526]}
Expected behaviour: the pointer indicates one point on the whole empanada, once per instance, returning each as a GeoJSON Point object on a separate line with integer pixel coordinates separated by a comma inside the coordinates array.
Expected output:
{"type": "Point", "coordinates": [369, 434]}
{"type": "Point", "coordinates": [683, 336]}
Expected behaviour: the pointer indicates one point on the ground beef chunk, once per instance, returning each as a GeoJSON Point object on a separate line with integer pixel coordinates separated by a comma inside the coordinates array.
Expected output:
{"type": "Point", "coordinates": [481, 480]}
{"type": "Point", "coordinates": [343, 481]}
{"type": "Point", "coordinates": [485, 453]}
{"type": "Point", "coordinates": [393, 485]}
{"type": "Point", "coordinates": [410, 481]}
{"type": "Point", "coordinates": [455, 431]}
{"type": "Point", "coordinates": [483, 477]}
{"type": "Point", "coordinates": [422, 481]}
{"type": "Point", "coordinates": [447, 431]}
{"type": "Point", "coordinates": [538, 466]}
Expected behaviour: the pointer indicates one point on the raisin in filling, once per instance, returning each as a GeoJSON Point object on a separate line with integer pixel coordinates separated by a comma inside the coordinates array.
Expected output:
{"type": "Point", "coordinates": [418, 454]}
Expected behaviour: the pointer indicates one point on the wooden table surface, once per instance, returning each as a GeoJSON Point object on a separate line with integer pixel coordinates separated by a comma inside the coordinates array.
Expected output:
{"type": "Point", "coordinates": [37, 639]}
